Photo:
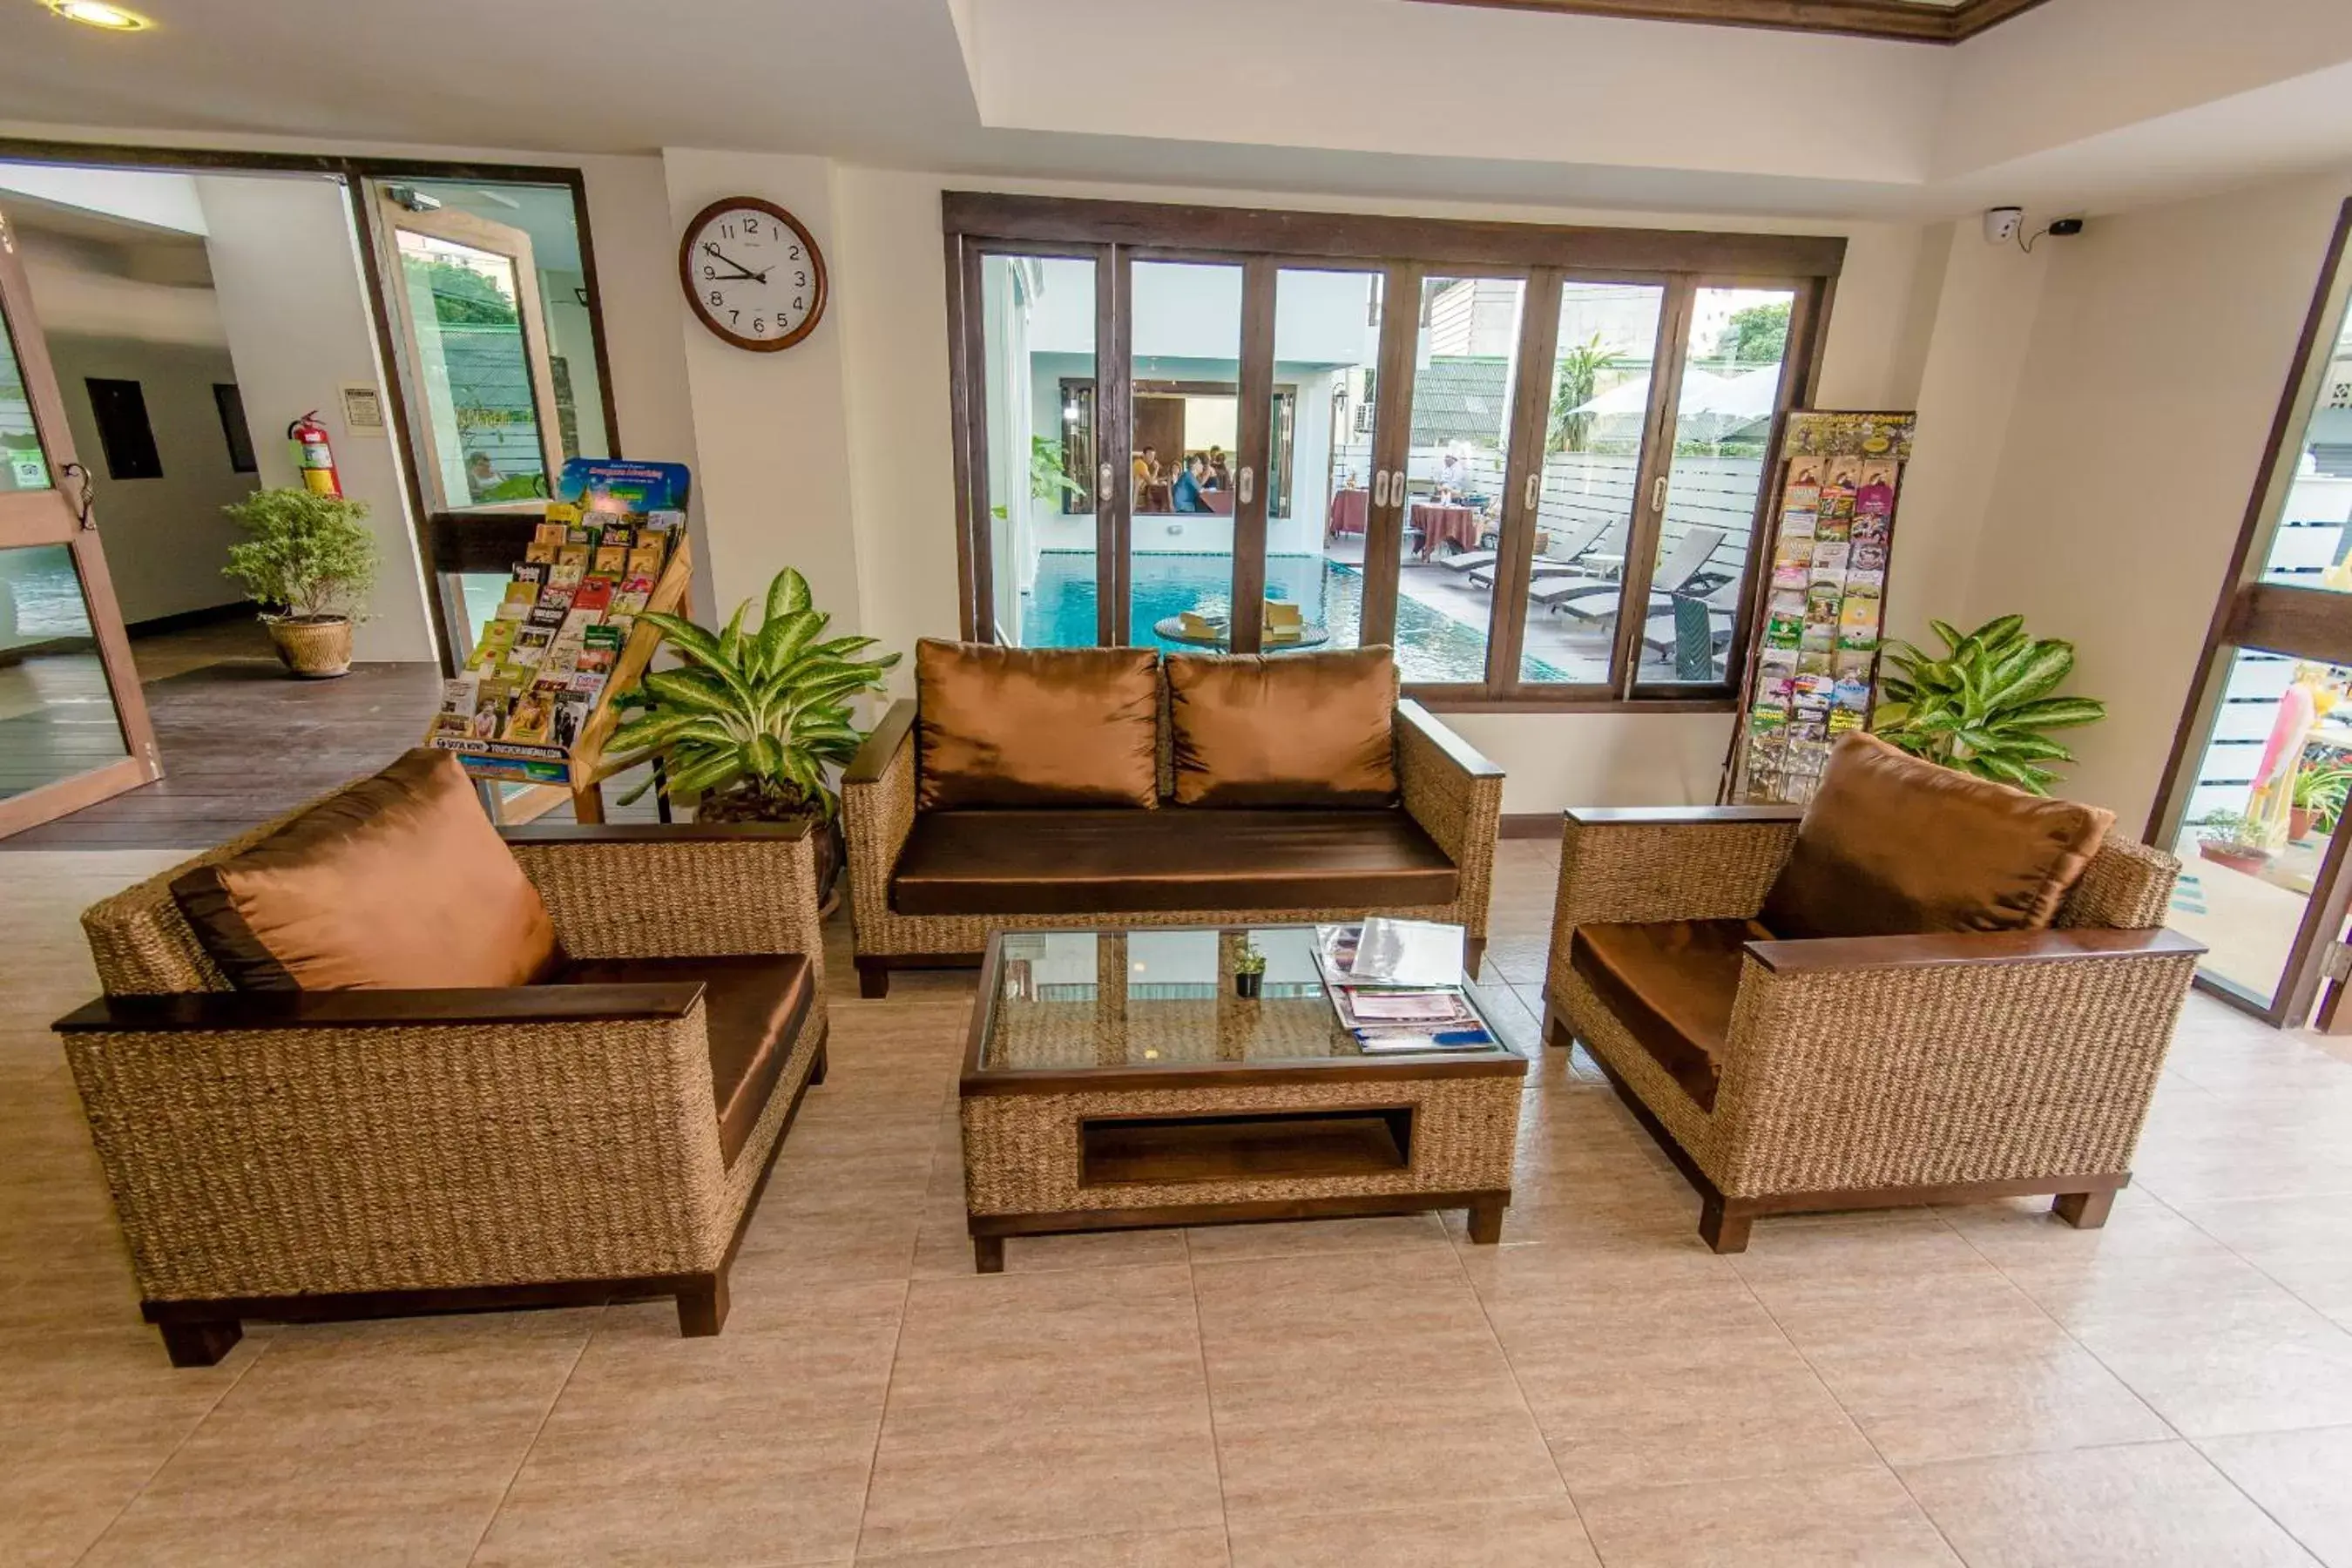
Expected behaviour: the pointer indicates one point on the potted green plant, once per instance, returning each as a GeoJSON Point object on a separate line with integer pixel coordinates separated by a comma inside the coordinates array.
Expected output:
{"type": "Point", "coordinates": [1984, 705]}
{"type": "Point", "coordinates": [2317, 798]}
{"type": "Point", "coordinates": [308, 561]}
{"type": "Point", "coordinates": [2233, 839]}
{"type": "Point", "coordinates": [1249, 971]}
{"type": "Point", "coordinates": [748, 724]}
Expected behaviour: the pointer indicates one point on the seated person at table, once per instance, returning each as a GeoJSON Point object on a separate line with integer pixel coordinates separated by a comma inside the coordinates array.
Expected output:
{"type": "Point", "coordinates": [1146, 469]}
{"type": "Point", "coordinates": [1187, 493]}
{"type": "Point", "coordinates": [1219, 476]}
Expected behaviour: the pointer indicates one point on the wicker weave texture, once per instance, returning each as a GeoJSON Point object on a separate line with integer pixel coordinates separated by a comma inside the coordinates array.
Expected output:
{"type": "Point", "coordinates": [684, 898]}
{"type": "Point", "coordinates": [1460, 814]}
{"type": "Point", "coordinates": [289, 1161]}
{"type": "Point", "coordinates": [1021, 1151]}
{"type": "Point", "coordinates": [1890, 1077]}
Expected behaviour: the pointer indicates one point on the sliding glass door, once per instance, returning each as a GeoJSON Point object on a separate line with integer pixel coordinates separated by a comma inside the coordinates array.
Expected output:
{"type": "Point", "coordinates": [1169, 437]}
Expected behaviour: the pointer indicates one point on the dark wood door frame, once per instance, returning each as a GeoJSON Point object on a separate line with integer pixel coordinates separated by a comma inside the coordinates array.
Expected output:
{"type": "Point", "coordinates": [2292, 622]}
{"type": "Point", "coordinates": [54, 517]}
{"type": "Point", "coordinates": [356, 173]}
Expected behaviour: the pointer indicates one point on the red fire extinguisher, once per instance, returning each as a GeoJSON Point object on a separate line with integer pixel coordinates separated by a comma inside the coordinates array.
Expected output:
{"type": "Point", "coordinates": [313, 458]}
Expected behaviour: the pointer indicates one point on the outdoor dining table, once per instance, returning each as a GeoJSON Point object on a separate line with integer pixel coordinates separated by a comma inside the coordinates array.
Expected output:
{"type": "Point", "coordinates": [1351, 511]}
{"type": "Point", "coordinates": [1440, 524]}
{"type": "Point", "coordinates": [1171, 627]}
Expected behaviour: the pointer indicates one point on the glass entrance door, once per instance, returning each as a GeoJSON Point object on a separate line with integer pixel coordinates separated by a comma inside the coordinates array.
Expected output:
{"type": "Point", "coordinates": [73, 724]}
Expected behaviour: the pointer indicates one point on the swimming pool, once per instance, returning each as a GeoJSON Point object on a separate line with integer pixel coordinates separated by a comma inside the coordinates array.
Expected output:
{"type": "Point", "coordinates": [1430, 647]}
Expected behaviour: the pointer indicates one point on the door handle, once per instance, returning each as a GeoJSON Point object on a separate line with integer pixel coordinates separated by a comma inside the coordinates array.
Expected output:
{"type": "Point", "coordinates": [1535, 489]}
{"type": "Point", "coordinates": [1249, 482]}
{"type": "Point", "coordinates": [83, 499]}
{"type": "Point", "coordinates": [1380, 486]}
{"type": "Point", "coordinates": [1102, 481]}
{"type": "Point", "coordinates": [1658, 494]}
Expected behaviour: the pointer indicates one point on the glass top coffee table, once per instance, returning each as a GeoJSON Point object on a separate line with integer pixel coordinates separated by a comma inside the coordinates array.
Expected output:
{"type": "Point", "coordinates": [1114, 1079]}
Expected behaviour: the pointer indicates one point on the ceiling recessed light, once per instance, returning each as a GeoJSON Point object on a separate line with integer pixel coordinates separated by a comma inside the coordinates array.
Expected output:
{"type": "Point", "coordinates": [98, 14]}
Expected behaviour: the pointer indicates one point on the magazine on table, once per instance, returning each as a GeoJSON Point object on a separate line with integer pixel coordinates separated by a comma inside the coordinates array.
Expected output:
{"type": "Point", "coordinates": [1396, 985]}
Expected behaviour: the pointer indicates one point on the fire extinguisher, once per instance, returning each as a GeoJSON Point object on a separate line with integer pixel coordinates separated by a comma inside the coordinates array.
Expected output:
{"type": "Point", "coordinates": [313, 458]}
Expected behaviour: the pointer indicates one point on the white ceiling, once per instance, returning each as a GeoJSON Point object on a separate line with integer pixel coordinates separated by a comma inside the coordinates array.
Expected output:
{"type": "Point", "coordinates": [2077, 104]}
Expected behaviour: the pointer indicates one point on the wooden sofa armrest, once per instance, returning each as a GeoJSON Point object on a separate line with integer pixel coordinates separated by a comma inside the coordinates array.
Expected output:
{"type": "Point", "coordinates": [298, 1145]}
{"type": "Point", "coordinates": [1894, 1061]}
{"type": "Point", "coordinates": [1456, 796]}
{"type": "Point", "coordinates": [1849, 954]}
{"type": "Point", "coordinates": [877, 812]}
{"type": "Point", "coordinates": [689, 890]}
{"type": "Point", "coordinates": [874, 757]}
{"type": "Point", "coordinates": [198, 1012]}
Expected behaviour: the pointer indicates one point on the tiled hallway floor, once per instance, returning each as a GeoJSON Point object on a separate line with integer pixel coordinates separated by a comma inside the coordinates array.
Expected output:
{"type": "Point", "coordinates": [1981, 1386]}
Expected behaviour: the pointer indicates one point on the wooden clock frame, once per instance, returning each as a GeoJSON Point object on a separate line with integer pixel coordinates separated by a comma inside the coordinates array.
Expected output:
{"type": "Point", "coordinates": [819, 287]}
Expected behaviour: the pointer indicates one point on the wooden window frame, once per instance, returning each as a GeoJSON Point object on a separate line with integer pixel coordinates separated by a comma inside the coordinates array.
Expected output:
{"type": "Point", "coordinates": [2313, 623]}
{"type": "Point", "coordinates": [1263, 242]}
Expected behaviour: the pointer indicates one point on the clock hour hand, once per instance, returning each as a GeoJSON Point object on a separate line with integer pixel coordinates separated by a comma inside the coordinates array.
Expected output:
{"type": "Point", "coordinates": [740, 270]}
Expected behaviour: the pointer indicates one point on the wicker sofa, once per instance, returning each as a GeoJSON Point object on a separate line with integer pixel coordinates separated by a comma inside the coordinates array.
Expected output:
{"type": "Point", "coordinates": [371, 1152]}
{"type": "Point", "coordinates": [1432, 858]}
{"type": "Point", "coordinates": [1883, 1070]}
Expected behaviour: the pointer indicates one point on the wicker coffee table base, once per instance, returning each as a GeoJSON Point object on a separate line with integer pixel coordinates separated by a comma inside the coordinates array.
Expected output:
{"type": "Point", "coordinates": [989, 1231]}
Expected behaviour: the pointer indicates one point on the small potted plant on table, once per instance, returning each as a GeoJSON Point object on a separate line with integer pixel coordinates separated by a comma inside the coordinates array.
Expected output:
{"type": "Point", "coordinates": [1249, 971]}
{"type": "Point", "coordinates": [308, 561]}
{"type": "Point", "coordinates": [2232, 839]}
{"type": "Point", "coordinates": [750, 724]}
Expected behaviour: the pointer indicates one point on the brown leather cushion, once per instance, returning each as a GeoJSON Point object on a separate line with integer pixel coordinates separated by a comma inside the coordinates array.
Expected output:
{"type": "Point", "coordinates": [398, 882]}
{"type": "Point", "coordinates": [1014, 726]}
{"type": "Point", "coordinates": [1299, 729]}
{"type": "Point", "coordinates": [1893, 845]}
{"type": "Point", "coordinates": [752, 1007]}
{"type": "Point", "coordinates": [1105, 862]}
{"type": "Point", "coordinates": [1671, 984]}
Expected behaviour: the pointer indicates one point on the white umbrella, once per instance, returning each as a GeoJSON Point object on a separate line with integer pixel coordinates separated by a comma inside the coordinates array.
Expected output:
{"type": "Point", "coordinates": [1738, 397]}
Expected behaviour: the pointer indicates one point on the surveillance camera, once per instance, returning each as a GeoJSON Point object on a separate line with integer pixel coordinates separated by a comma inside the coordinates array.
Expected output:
{"type": "Point", "coordinates": [2002, 224]}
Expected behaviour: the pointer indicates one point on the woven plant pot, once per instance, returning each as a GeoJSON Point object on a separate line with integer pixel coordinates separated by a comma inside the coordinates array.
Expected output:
{"type": "Point", "coordinates": [313, 649]}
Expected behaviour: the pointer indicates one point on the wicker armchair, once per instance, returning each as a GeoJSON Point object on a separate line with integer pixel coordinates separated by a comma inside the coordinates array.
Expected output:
{"type": "Point", "coordinates": [1450, 792]}
{"type": "Point", "coordinates": [360, 1154]}
{"type": "Point", "coordinates": [1877, 1071]}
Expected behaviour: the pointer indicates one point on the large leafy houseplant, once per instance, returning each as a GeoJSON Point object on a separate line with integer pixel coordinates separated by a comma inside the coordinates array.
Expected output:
{"type": "Point", "coordinates": [308, 561]}
{"type": "Point", "coordinates": [1984, 706]}
{"type": "Point", "coordinates": [754, 717]}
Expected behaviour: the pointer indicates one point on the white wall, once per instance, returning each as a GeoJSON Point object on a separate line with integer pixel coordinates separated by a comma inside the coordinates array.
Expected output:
{"type": "Point", "coordinates": [2134, 443]}
{"type": "Point", "coordinates": [288, 281]}
{"type": "Point", "coordinates": [165, 539]}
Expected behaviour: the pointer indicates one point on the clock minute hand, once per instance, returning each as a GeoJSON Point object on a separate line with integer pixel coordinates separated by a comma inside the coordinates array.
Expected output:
{"type": "Point", "coordinates": [740, 270]}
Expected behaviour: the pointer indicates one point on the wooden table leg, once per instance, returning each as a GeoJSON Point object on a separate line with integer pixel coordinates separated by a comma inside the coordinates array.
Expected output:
{"type": "Point", "coordinates": [1486, 1221]}
{"type": "Point", "coordinates": [988, 1254]}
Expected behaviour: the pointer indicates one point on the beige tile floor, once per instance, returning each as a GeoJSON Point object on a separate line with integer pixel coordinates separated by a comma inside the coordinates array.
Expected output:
{"type": "Point", "coordinates": [1978, 1386]}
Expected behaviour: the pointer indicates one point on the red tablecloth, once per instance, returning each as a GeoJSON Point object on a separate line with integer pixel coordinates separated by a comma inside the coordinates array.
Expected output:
{"type": "Point", "coordinates": [1455, 525]}
{"type": "Point", "coordinates": [1349, 510]}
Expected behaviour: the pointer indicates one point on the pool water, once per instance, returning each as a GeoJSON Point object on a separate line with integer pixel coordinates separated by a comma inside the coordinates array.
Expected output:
{"type": "Point", "coordinates": [1430, 647]}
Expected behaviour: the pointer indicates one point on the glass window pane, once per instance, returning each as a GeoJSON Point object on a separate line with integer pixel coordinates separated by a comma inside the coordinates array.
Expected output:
{"type": "Point", "coordinates": [2313, 546]}
{"type": "Point", "coordinates": [1326, 348]}
{"type": "Point", "coordinates": [1723, 425]}
{"type": "Point", "coordinates": [1592, 463]}
{"type": "Point", "coordinates": [476, 370]}
{"type": "Point", "coordinates": [57, 710]}
{"type": "Point", "coordinates": [1186, 351]}
{"type": "Point", "coordinates": [1466, 363]}
{"type": "Point", "coordinates": [2265, 798]}
{"type": "Point", "coordinates": [22, 466]}
{"type": "Point", "coordinates": [1037, 389]}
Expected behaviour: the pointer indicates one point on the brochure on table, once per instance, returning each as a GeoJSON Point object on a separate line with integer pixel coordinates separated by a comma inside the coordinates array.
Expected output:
{"type": "Point", "coordinates": [1397, 985]}
{"type": "Point", "coordinates": [1813, 674]}
{"type": "Point", "coordinates": [535, 700]}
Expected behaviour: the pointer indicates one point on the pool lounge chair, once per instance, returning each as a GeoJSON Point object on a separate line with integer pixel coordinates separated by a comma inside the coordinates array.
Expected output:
{"type": "Point", "coordinates": [1684, 571]}
{"type": "Point", "coordinates": [1694, 629]}
{"type": "Point", "coordinates": [1562, 563]}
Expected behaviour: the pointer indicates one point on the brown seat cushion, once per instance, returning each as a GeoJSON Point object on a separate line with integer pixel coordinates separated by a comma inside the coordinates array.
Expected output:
{"type": "Point", "coordinates": [1893, 845]}
{"type": "Point", "coordinates": [1299, 729]}
{"type": "Point", "coordinates": [1671, 984]}
{"type": "Point", "coordinates": [398, 882]}
{"type": "Point", "coordinates": [1106, 862]}
{"type": "Point", "coordinates": [752, 1009]}
{"type": "Point", "coordinates": [1016, 726]}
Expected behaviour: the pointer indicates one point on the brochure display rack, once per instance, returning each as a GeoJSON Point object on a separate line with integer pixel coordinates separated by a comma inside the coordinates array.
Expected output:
{"type": "Point", "coordinates": [1813, 674]}
{"type": "Point", "coordinates": [538, 699]}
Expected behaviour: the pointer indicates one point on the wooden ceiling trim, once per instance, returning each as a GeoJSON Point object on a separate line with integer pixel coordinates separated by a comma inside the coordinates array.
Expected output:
{"type": "Point", "coordinates": [1857, 18]}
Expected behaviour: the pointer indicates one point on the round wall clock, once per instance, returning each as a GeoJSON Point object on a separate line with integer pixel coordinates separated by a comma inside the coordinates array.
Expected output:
{"type": "Point", "coordinates": [751, 273]}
